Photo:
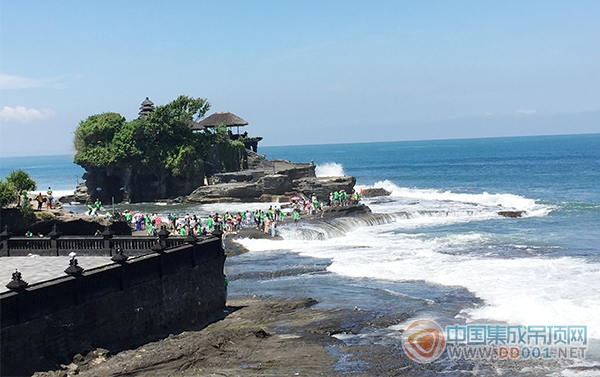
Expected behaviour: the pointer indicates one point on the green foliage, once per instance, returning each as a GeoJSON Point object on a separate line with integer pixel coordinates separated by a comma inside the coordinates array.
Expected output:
{"type": "Point", "coordinates": [238, 151]}
{"type": "Point", "coordinates": [184, 160]}
{"type": "Point", "coordinates": [162, 139]}
{"type": "Point", "coordinates": [21, 181]}
{"type": "Point", "coordinates": [221, 135]}
{"type": "Point", "coordinates": [27, 211]}
{"type": "Point", "coordinates": [7, 194]}
{"type": "Point", "coordinates": [93, 139]}
{"type": "Point", "coordinates": [232, 155]}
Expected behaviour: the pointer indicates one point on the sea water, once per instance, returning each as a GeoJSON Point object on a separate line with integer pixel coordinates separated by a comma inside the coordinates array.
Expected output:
{"type": "Point", "coordinates": [436, 247]}
{"type": "Point", "coordinates": [57, 172]}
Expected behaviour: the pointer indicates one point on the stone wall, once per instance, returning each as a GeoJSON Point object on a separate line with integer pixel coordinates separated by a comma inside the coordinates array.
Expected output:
{"type": "Point", "coordinates": [116, 307]}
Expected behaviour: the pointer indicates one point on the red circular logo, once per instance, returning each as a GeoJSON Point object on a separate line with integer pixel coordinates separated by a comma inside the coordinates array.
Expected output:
{"type": "Point", "coordinates": [423, 341]}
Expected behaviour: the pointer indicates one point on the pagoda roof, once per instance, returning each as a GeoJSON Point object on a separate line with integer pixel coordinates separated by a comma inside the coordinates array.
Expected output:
{"type": "Point", "coordinates": [146, 108]}
{"type": "Point", "coordinates": [147, 102]}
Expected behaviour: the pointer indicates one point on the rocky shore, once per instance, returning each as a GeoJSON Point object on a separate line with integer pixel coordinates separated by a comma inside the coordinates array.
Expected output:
{"type": "Point", "coordinates": [264, 336]}
{"type": "Point", "coordinates": [257, 336]}
{"type": "Point", "coordinates": [268, 181]}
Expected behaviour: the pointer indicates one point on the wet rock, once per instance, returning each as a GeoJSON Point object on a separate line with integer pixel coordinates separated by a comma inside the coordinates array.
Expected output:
{"type": "Point", "coordinates": [373, 192]}
{"type": "Point", "coordinates": [80, 195]}
{"type": "Point", "coordinates": [322, 186]}
{"type": "Point", "coordinates": [232, 177]}
{"type": "Point", "coordinates": [513, 214]}
{"type": "Point", "coordinates": [340, 211]}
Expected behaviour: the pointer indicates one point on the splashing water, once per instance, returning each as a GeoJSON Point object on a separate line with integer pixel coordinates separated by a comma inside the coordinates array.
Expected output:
{"type": "Point", "coordinates": [330, 169]}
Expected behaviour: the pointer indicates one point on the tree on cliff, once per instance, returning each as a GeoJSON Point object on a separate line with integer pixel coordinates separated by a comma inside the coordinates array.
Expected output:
{"type": "Point", "coordinates": [160, 148]}
{"type": "Point", "coordinates": [163, 139]}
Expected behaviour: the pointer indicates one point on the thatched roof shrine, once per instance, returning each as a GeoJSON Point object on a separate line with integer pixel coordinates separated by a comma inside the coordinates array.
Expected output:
{"type": "Point", "coordinates": [229, 119]}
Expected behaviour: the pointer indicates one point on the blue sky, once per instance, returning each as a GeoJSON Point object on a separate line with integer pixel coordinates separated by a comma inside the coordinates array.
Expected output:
{"type": "Point", "coordinates": [303, 72]}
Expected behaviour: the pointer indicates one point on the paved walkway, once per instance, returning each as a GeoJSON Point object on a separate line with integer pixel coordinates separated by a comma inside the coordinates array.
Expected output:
{"type": "Point", "coordinates": [38, 269]}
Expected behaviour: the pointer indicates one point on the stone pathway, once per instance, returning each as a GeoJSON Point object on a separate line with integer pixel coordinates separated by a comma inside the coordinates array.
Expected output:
{"type": "Point", "coordinates": [37, 269]}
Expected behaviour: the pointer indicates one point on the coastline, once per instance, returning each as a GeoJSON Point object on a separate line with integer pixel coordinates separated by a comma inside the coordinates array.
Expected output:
{"type": "Point", "coordinates": [257, 336]}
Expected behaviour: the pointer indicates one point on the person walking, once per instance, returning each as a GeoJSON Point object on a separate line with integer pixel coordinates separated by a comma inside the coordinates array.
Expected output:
{"type": "Point", "coordinates": [40, 200]}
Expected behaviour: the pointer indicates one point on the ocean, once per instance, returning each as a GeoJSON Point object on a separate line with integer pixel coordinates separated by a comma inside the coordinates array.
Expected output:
{"type": "Point", "coordinates": [436, 247]}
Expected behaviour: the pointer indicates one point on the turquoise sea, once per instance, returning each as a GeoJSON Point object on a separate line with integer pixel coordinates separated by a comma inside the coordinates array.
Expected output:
{"type": "Point", "coordinates": [436, 247]}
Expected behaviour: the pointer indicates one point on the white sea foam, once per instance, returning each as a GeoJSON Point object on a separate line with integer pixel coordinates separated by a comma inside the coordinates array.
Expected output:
{"type": "Point", "coordinates": [520, 291]}
{"type": "Point", "coordinates": [57, 194]}
{"type": "Point", "coordinates": [330, 169]}
{"type": "Point", "coordinates": [497, 202]}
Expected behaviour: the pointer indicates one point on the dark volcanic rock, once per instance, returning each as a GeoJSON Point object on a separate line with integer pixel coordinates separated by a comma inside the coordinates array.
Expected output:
{"type": "Point", "coordinates": [245, 191]}
{"type": "Point", "coordinates": [322, 186]}
{"type": "Point", "coordinates": [80, 225]}
{"type": "Point", "coordinates": [271, 187]}
{"type": "Point", "coordinates": [277, 184]}
{"type": "Point", "coordinates": [233, 177]}
{"type": "Point", "coordinates": [340, 211]}
{"type": "Point", "coordinates": [513, 214]}
{"type": "Point", "coordinates": [79, 196]}
{"type": "Point", "coordinates": [373, 192]}
{"type": "Point", "coordinates": [266, 181]}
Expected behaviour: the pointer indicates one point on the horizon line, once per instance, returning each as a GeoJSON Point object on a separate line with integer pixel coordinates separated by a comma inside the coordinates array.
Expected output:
{"type": "Point", "coordinates": [365, 142]}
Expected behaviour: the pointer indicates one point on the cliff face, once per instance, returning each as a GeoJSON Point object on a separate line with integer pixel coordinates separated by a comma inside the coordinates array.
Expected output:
{"type": "Point", "coordinates": [136, 184]}
{"type": "Point", "coordinates": [252, 178]}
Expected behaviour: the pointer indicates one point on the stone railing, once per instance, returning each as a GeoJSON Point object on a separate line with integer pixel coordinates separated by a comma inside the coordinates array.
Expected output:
{"type": "Point", "coordinates": [115, 306]}
{"type": "Point", "coordinates": [105, 244]}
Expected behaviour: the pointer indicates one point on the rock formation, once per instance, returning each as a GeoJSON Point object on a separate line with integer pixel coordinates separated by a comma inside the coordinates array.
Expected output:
{"type": "Point", "coordinates": [268, 181]}
{"type": "Point", "coordinates": [374, 192]}
{"type": "Point", "coordinates": [80, 195]}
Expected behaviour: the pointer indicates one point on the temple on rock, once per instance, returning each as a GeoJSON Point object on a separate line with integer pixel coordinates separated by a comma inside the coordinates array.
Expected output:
{"type": "Point", "coordinates": [230, 120]}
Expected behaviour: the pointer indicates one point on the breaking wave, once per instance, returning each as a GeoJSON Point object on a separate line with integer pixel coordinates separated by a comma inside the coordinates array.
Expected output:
{"type": "Point", "coordinates": [330, 169]}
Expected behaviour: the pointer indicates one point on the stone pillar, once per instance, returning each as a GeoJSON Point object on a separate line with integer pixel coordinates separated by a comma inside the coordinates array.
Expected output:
{"type": "Point", "coordinates": [219, 234]}
{"type": "Point", "coordinates": [160, 246]}
{"type": "Point", "coordinates": [107, 240]}
{"type": "Point", "coordinates": [4, 237]}
{"type": "Point", "coordinates": [76, 271]}
{"type": "Point", "coordinates": [163, 234]}
{"type": "Point", "coordinates": [54, 235]}
{"type": "Point", "coordinates": [121, 259]}
{"type": "Point", "coordinates": [190, 239]}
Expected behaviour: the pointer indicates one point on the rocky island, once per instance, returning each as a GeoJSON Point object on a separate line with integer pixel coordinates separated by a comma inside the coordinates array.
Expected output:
{"type": "Point", "coordinates": [167, 154]}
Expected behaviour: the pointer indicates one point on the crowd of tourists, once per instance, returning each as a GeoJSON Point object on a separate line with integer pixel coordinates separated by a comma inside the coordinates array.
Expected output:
{"type": "Point", "coordinates": [264, 220]}
{"type": "Point", "coordinates": [188, 224]}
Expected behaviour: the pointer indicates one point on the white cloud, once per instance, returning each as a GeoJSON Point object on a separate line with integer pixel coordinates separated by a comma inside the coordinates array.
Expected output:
{"type": "Point", "coordinates": [23, 115]}
{"type": "Point", "coordinates": [528, 112]}
{"type": "Point", "coordinates": [20, 82]}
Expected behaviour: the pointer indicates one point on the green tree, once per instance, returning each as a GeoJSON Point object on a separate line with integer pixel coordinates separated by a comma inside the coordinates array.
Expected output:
{"type": "Point", "coordinates": [7, 194]}
{"type": "Point", "coordinates": [94, 139]}
{"type": "Point", "coordinates": [221, 135]}
{"type": "Point", "coordinates": [163, 139]}
{"type": "Point", "coordinates": [21, 181]}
